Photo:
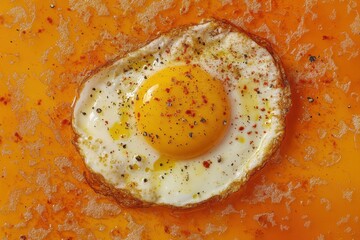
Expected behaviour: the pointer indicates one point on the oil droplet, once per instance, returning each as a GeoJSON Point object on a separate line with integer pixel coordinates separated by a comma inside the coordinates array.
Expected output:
{"type": "Point", "coordinates": [241, 139]}
{"type": "Point", "coordinates": [120, 129]}
{"type": "Point", "coordinates": [163, 163]}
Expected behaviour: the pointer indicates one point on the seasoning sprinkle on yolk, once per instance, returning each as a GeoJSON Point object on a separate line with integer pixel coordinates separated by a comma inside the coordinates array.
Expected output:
{"type": "Point", "coordinates": [182, 111]}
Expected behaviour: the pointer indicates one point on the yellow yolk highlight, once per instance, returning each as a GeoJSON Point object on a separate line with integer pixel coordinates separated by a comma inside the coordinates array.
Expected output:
{"type": "Point", "coordinates": [182, 111]}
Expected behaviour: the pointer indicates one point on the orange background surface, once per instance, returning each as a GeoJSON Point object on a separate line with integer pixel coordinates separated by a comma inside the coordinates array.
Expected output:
{"type": "Point", "coordinates": [309, 190]}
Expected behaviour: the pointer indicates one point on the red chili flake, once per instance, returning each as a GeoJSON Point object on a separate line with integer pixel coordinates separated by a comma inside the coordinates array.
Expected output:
{"type": "Point", "coordinates": [254, 126]}
{"type": "Point", "coordinates": [190, 113]}
{"type": "Point", "coordinates": [65, 122]}
{"type": "Point", "coordinates": [18, 138]}
{"type": "Point", "coordinates": [186, 91]}
{"type": "Point", "coordinates": [187, 61]}
{"type": "Point", "coordinates": [263, 109]}
{"type": "Point", "coordinates": [207, 163]}
{"type": "Point", "coordinates": [327, 37]}
{"type": "Point", "coordinates": [204, 99]}
{"type": "Point", "coordinates": [249, 132]}
{"type": "Point", "coordinates": [167, 90]}
{"type": "Point", "coordinates": [138, 114]}
{"type": "Point", "coordinates": [39, 102]}
{"type": "Point", "coordinates": [245, 87]}
{"type": "Point", "coordinates": [241, 128]}
{"type": "Point", "coordinates": [156, 99]}
{"type": "Point", "coordinates": [49, 19]}
{"type": "Point", "coordinates": [167, 50]}
{"type": "Point", "coordinates": [4, 100]}
{"type": "Point", "coordinates": [185, 47]}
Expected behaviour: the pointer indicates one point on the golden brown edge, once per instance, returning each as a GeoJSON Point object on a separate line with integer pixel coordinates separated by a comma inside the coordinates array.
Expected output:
{"type": "Point", "coordinates": [123, 197]}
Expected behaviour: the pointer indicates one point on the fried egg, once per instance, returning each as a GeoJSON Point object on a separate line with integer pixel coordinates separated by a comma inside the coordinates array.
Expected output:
{"type": "Point", "coordinates": [184, 119]}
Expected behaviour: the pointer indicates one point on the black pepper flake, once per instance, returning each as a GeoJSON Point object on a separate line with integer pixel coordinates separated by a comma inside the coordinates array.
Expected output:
{"type": "Point", "coordinates": [224, 122]}
{"type": "Point", "coordinates": [310, 99]}
{"type": "Point", "coordinates": [83, 113]}
{"type": "Point", "coordinates": [98, 110]}
{"type": "Point", "coordinates": [203, 120]}
{"type": "Point", "coordinates": [145, 180]}
{"type": "Point", "coordinates": [138, 158]}
{"type": "Point", "coordinates": [312, 58]}
{"type": "Point", "coordinates": [190, 134]}
{"type": "Point", "coordinates": [219, 159]}
{"type": "Point", "coordinates": [145, 134]}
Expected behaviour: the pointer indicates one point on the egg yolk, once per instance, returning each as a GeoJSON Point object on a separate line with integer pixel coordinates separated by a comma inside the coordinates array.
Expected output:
{"type": "Point", "coordinates": [182, 111]}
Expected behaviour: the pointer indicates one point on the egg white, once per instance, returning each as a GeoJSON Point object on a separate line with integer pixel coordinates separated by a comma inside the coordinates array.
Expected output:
{"type": "Point", "coordinates": [256, 124]}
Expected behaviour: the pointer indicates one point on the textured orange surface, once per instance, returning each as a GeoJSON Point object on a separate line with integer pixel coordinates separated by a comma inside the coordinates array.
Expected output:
{"type": "Point", "coordinates": [309, 190]}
